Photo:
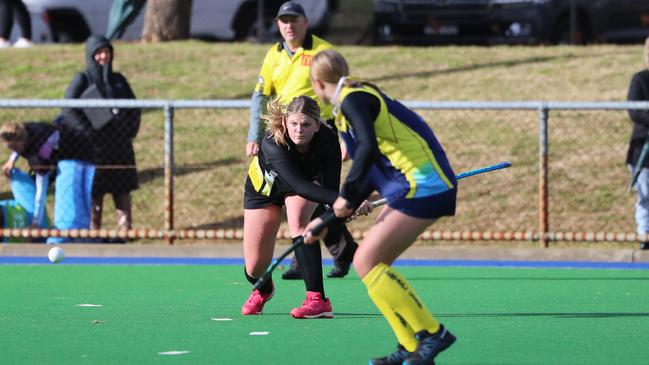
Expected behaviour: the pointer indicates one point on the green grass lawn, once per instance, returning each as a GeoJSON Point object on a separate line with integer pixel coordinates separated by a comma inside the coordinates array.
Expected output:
{"type": "Point", "coordinates": [500, 315]}
{"type": "Point", "coordinates": [587, 173]}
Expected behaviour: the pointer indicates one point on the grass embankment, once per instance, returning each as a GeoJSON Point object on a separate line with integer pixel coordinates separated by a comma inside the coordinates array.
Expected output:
{"type": "Point", "coordinates": [587, 149]}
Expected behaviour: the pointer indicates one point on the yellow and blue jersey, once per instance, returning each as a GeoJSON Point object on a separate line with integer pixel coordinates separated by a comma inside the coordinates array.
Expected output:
{"type": "Point", "coordinates": [409, 162]}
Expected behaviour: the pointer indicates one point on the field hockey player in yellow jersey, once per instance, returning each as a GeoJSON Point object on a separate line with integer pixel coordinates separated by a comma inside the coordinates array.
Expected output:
{"type": "Point", "coordinates": [395, 152]}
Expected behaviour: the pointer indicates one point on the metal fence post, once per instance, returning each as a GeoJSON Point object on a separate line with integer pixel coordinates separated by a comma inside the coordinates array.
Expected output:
{"type": "Point", "coordinates": [543, 176]}
{"type": "Point", "coordinates": [169, 173]}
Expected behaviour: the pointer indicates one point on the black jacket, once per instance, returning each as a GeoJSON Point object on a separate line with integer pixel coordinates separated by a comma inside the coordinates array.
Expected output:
{"type": "Point", "coordinates": [295, 172]}
{"type": "Point", "coordinates": [72, 145]}
{"type": "Point", "coordinates": [112, 144]}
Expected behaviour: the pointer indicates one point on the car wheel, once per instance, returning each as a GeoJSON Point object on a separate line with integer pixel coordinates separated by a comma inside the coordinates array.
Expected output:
{"type": "Point", "coordinates": [562, 32]}
{"type": "Point", "coordinates": [245, 22]}
{"type": "Point", "coordinates": [66, 37]}
{"type": "Point", "coordinates": [246, 29]}
{"type": "Point", "coordinates": [246, 26]}
{"type": "Point", "coordinates": [68, 26]}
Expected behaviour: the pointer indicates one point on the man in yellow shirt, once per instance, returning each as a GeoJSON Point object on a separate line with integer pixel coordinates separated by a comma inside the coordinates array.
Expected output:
{"type": "Point", "coordinates": [285, 71]}
{"type": "Point", "coordinates": [285, 74]}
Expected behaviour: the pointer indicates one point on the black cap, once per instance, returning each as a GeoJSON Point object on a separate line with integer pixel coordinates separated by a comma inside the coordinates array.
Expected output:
{"type": "Point", "coordinates": [291, 8]}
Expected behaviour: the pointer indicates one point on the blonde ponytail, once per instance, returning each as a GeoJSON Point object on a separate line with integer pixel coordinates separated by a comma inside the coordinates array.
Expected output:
{"type": "Point", "coordinates": [276, 112]}
{"type": "Point", "coordinates": [330, 66]}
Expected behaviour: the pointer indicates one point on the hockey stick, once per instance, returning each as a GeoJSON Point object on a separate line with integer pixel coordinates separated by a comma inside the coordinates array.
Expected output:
{"type": "Point", "coordinates": [460, 176]}
{"type": "Point", "coordinates": [638, 166]}
{"type": "Point", "coordinates": [329, 217]}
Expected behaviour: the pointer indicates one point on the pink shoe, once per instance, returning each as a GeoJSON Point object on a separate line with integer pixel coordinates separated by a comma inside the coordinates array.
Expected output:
{"type": "Point", "coordinates": [255, 303]}
{"type": "Point", "coordinates": [313, 307]}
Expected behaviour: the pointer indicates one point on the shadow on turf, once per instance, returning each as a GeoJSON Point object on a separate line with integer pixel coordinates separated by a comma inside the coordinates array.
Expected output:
{"type": "Point", "coordinates": [525, 278]}
{"type": "Point", "coordinates": [473, 67]}
{"type": "Point", "coordinates": [358, 315]}
{"type": "Point", "coordinates": [554, 315]}
{"type": "Point", "coordinates": [336, 315]}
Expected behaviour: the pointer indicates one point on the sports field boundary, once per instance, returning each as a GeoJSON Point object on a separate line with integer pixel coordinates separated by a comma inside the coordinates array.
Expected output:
{"type": "Point", "coordinates": [494, 255]}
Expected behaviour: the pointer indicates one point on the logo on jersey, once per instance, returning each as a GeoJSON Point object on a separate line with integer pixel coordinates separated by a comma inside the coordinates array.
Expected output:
{"type": "Point", "coordinates": [260, 81]}
{"type": "Point", "coordinates": [306, 60]}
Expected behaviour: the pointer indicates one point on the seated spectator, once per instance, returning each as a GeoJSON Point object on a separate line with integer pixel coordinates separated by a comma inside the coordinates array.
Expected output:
{"type": "Point", "coordinates": [18, 212]}
{"type": "Point", "coordinates": [49, 146]}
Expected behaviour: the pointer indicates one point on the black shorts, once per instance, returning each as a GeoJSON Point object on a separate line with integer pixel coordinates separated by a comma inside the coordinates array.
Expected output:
{"type": "Point", "coordinates": [256, 201]}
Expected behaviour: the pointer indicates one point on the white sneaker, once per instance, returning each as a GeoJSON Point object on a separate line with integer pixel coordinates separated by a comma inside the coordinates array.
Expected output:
{"type": "Point", "coordinates": [23, 43]}
{"type": "Point", "coordinates": [4, 43]}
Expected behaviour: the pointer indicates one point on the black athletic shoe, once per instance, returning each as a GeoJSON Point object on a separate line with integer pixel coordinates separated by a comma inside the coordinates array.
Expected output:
{"type": "Point", "coordinates": [339, 270]}
{"type": "Point", "coordinates": [292, 273]}
{"type": "Point", "coordinates": [644, 246]}
{"type": "Point", "coordinates": [395, 358]}
{"type": "Point", "coordinates": [429, 345]}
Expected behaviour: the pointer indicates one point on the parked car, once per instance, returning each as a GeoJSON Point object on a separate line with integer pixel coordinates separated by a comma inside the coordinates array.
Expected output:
{"type": "Point", "coordinates": [68, 21]}
{"type": "Point", "coordinates": [509, 21]}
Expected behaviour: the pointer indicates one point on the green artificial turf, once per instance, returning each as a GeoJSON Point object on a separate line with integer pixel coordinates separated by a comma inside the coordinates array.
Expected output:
{"type": "Point", "coordinates": [500, 316]}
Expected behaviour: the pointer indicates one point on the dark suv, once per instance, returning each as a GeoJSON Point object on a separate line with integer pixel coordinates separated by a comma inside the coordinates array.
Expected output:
{"type": "Point", "coordinates": [509, 21]}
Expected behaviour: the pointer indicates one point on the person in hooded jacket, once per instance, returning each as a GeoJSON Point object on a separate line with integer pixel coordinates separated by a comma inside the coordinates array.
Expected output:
{"type": "Point", "coordinates": [113, 142]}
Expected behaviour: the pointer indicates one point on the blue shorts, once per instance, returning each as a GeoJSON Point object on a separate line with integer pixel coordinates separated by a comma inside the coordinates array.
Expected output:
{"type": "Point", "coordinates": [430, 207]}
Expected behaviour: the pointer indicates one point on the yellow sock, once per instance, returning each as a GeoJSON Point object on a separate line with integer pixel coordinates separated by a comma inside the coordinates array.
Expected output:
{"type": "Point", "coordinates": [405, 335]}
{"type": "Point", "coordinates": [399, 304]}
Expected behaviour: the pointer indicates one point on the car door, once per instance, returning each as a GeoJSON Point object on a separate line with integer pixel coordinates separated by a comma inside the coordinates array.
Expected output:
{"type": "Point", "coordinates": [624, 21]}
{"type": "Point", "coordinates": [212, 19]}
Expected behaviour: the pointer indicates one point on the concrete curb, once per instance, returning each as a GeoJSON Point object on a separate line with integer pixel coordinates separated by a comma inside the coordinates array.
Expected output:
{"type": "Point", "coordinates": [234, 250]}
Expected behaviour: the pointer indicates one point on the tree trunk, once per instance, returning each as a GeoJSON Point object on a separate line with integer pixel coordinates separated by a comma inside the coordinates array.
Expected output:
{"type": "Point", "coordinates": [167, 20]}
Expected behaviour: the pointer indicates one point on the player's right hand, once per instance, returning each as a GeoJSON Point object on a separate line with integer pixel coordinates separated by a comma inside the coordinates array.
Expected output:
{"type": "Point", "coordinates": [251, 149]}
{"type": "Point", "coordinates": [309, 237]}
{"type": "Point", "coordinates": [364, 209]}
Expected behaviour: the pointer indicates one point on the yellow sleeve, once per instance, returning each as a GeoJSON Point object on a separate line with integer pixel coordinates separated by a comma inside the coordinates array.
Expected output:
{"type": "Point", "coordinates": [265, 79]}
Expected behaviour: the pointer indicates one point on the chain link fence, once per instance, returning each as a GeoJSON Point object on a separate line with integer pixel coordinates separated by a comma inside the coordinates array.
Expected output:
{"type": "Point", "coordinates": [568, 179]}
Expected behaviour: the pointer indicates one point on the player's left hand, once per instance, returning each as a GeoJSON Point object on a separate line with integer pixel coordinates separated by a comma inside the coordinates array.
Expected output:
{"type": "Point", "coordinates": [342, 208]}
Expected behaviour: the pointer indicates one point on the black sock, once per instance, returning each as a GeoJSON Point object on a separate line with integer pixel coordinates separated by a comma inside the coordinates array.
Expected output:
{"type": "Point", "coordinates": [267, 288]}
{"type": "Point", "coordinates": [309, 259]}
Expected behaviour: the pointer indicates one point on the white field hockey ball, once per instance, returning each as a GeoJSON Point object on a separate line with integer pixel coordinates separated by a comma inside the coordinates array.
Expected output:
{"type": "Point", "coordinates": [55, 254]}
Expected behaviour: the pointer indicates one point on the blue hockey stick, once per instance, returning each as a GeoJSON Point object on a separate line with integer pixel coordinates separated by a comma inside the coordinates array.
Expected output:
{"type": "Point", "coordinates": [462, 175]}
{"type": "Point", "coordinates": [329, 217]}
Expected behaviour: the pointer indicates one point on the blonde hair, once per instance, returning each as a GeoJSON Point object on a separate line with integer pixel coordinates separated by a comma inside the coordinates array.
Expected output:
{"type": "Point", "coordinates": [329, 66]}
{"type": "Point", "coordinates": [278, 112]}
{"type": "Point", "coordinates": [12, 131]}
